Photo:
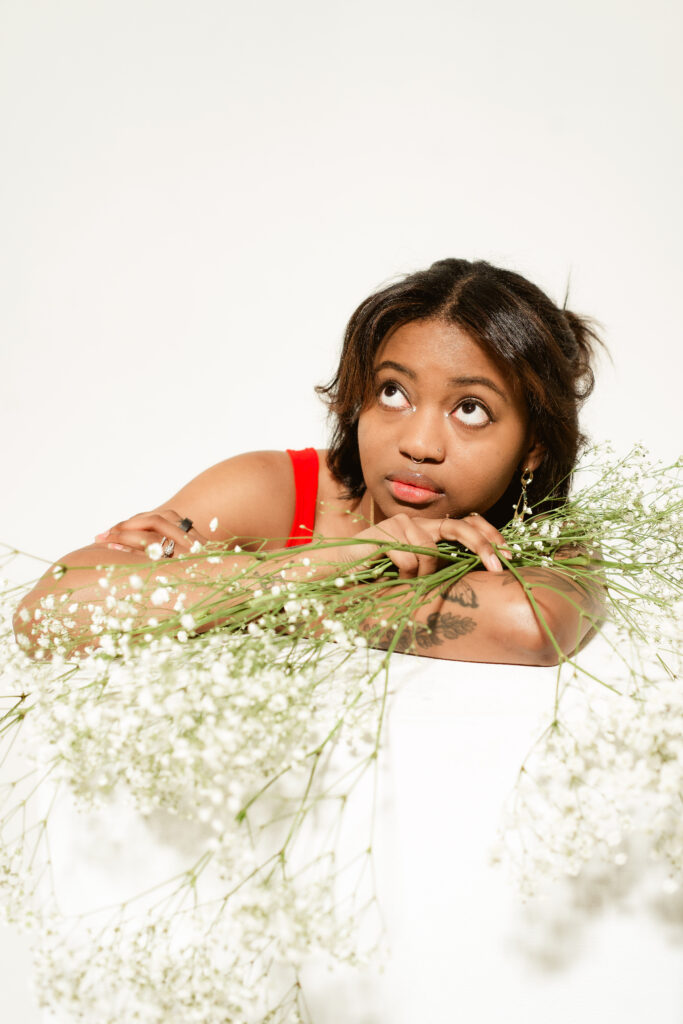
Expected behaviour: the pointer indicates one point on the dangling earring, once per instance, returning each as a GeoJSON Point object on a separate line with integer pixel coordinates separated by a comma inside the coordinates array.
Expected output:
{"type": "Point", "coordinates": [521, 508]}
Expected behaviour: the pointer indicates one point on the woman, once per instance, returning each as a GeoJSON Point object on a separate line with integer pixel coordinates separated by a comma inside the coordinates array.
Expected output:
{"type": "Point", "coordinates": [457, 393]}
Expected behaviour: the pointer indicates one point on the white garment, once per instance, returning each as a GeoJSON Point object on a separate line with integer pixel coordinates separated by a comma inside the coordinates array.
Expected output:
{"type": "Point", "coordinates": [463, 946]}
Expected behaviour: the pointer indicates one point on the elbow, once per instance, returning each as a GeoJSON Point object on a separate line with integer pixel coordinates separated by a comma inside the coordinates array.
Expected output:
{"type": "Point", "coordinates": [541, 650]}
{"type": "Point", "coordinates": [553, 641]}
{"type": "Point", "coordinates": [542, 644]}
{"type": "Point", "coordinates": [547, 655]}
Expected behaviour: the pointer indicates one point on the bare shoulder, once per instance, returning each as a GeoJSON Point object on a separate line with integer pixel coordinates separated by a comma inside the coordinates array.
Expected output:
{"type": "Point", "coordinates": [251, 495]}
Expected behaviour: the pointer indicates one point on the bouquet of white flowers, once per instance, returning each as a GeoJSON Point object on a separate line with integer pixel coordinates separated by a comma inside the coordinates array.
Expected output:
{"type": "Point", "coordinates": [253, 729]}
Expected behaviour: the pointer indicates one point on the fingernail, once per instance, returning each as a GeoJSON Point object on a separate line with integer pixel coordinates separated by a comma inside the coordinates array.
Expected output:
{"type": "Point", "coordinates": [493, 562]}
{"type": "Point", "coordinates": [101, 536]}
{"type": "Point", "coordinates": [116, 547]}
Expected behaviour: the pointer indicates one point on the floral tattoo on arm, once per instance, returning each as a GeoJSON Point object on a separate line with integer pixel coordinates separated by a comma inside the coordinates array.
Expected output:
{"type": "Point", "coordinates": [439, 626]}
{"type": "Point", "coordinates": [461, 593]}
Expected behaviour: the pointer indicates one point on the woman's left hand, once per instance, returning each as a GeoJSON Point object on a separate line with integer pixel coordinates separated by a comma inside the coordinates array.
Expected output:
{"type": "Point", "coordinates": [145, 528]}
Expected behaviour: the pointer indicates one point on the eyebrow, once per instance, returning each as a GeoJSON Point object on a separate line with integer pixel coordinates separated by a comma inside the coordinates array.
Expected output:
{"type": "Point", "coordinates": [486, 382]}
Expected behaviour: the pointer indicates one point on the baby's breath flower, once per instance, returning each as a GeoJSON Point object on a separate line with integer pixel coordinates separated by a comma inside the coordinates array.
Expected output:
{"type": "Point", "coordinates": [233, 730]}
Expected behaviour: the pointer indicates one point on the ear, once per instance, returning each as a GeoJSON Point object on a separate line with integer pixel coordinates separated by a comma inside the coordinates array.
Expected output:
{"type": "Point", "coordinates": [534, 455]}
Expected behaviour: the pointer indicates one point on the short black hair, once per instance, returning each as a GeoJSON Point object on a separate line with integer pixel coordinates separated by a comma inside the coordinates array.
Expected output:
{"type": "Point", "coordinates": [546, 349]}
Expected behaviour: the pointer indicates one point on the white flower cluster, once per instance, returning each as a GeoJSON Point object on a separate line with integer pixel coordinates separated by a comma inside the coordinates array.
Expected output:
{"type": "Point", "coordinates": [196, 727]}
{"type": "Point", "coordinates": [225, 732]}
{"type": "Point", "coordinates": [609, 775]}
{"type": "Point", "coordinates": [235, 733]}
{"type": "Point", "coordinates": [194, 967]}
{"type": "Point", "coordinates": [627, 517]}
{"type": "Point", "coordinates": [14, 883]}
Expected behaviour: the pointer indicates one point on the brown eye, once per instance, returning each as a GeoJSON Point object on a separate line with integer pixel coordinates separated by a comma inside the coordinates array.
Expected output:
{"type": "Point", "coordinates": [391, 396]}
{"type": "Point", "coordinates": [472, 413]}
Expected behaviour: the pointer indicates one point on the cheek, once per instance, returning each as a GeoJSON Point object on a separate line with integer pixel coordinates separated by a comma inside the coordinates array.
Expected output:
{"type": "Point", "coordinates": [487, 475]}
{"type": "Point", "coordinates": [367, 435]}
{"type": "Point", "coordinates": [374, 442]}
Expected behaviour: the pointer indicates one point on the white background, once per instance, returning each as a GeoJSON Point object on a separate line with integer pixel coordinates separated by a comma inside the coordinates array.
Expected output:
{"type": "Point", "coordinates": [195, 197]}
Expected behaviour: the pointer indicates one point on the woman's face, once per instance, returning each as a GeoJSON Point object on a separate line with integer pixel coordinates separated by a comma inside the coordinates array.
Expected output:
{"type": "Point", "coordinates": [443, 432]}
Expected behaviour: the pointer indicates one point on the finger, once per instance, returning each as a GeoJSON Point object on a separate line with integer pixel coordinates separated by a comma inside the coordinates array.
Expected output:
{"type": "Point", "coordinates": [163, 521]}
{"type": "Point", "coordinates": [406, 562]}
{"type": "Point", "coordinates": [397, 528]}
{"type": "Point", "coordinates": [166, 525]}
{"type": "Point", "coordinates": [138, 540]}
{"type": "Point", "coordinates": [473, 539]}
{"type": "Point", "coordinates": [404, 529]}
{"type": "Point", "coordinates": [121, 547]}
{"type": "Point", "coordinates": [489, 531]}
{"type": "Point", "coordinates": [417, 535]}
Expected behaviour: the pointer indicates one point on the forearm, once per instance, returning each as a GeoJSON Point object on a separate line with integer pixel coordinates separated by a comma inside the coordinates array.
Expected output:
{"type": "Point", "coordinates": [97, 583]}
{"type": "Point", "coordinates": [536, 619]}
{"type": "Point", "coordinates": [79, 589]}
{"type": "Point", "coordinates": [533, 617]}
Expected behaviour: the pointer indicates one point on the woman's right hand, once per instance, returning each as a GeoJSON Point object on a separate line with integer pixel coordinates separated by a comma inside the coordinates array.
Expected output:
{"type": "Point", "coordinates": [145, 528]}
{"type": "Point", "coordinates": [472, 531]}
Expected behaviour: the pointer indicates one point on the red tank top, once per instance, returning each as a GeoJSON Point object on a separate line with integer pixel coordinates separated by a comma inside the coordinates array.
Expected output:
{"type": "Point", "coordinates": [306, 468]}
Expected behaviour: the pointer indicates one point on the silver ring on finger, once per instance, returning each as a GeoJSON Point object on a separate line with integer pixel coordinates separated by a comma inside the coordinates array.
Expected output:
{"type": "Point", "coordinates": [167, 547]}
{"type": "Point", "coordinates": [185, 525]}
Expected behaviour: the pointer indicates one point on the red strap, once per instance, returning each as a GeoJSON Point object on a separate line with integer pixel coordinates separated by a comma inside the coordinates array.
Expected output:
{"type": "Point", "coordinates": [306, 469]}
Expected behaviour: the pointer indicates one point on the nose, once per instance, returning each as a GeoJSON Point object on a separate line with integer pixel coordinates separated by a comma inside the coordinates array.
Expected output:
{"type": "Point", "coordinates": [422, 437]}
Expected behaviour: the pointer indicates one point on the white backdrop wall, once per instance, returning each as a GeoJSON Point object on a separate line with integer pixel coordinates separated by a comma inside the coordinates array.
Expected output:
{"type": "Point", "coordinates": [195, 198]}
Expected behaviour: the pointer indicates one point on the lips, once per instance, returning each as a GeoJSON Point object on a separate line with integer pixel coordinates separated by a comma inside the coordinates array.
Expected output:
{"type": "Point", "coordinates": [414, 488]}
